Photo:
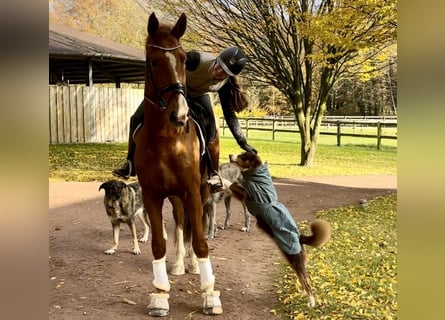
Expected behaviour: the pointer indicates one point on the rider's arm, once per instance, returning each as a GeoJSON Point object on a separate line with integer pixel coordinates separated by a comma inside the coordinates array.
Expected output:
{"type": "Point", "coordinates": [231, 119]}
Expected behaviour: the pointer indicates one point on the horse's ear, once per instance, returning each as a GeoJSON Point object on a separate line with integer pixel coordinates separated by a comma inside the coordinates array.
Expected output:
{"type": "Point", "coordinates": [153, 25]}
{"type": "Point", "coordinates": [180, 26]}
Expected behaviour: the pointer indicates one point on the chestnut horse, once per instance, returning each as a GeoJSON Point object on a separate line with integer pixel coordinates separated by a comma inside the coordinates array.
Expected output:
{"type": "Point", "coordinates": [168, 159]}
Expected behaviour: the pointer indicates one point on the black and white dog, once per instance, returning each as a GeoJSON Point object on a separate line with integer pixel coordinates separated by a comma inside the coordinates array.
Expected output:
{"type": "Point", "coordinates": [123, 203]}
{"type": "Point", "coordinates": [229, 173]}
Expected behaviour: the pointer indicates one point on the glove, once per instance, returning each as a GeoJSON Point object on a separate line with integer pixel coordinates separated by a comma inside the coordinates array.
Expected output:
{"type": "Point", "coordinates": [248, 148]}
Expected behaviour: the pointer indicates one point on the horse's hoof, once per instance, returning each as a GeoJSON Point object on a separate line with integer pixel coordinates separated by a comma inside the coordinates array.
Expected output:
{"type": "Point", "coordinates": [158, 306]}
{"type": "Point", "coordinates": [212, 303]}
{"type": "Point", "coordinates": [158, 313]}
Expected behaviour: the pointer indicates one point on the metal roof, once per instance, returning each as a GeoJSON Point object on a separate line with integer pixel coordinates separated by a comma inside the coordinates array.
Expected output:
{"type": "Point", "coordinates": [77, 58]}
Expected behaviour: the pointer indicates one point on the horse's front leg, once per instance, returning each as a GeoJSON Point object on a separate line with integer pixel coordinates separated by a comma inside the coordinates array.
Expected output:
{"type": "Point", "coordinates": [158, 306]}
{"type": "Point", "coordinates": [212, 302]}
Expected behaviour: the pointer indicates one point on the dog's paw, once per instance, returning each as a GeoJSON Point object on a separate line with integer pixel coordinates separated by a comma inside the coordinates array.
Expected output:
{"type": "Point", "coordinates": [244, 229]}
{"type": "Point", "coordinates": [136, 251]}
{"type": "Point", "coordinates": [143, 239]}
{"type": "Point", "coordinates": [210, 236]}
{"type": "Point", "coordinates": [311, 302]}
{"type": "Point", "coordinates": [110, 251]}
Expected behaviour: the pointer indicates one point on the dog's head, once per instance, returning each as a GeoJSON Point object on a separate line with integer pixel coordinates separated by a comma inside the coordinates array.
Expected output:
{"type": "Point", "coordinates": [113, 189]}
{"type": "Point", "coordinates": [246, 160]}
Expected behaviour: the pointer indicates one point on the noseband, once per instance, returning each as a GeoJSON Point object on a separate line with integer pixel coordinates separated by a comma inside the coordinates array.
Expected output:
{"type": "Point", "coordinates": [176, 87]}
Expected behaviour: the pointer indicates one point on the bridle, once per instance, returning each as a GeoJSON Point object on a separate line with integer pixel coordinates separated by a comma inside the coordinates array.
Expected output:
{"type": "Point", "coordinates": [176, 87]}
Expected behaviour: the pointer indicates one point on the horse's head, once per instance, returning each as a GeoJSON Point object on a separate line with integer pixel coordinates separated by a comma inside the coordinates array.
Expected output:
{"type": "Point", "coordinates": [165, 68]}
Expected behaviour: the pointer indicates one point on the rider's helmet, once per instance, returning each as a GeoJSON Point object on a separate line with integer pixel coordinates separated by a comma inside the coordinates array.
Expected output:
{"type": "Point", "coordinates": [232, 60]}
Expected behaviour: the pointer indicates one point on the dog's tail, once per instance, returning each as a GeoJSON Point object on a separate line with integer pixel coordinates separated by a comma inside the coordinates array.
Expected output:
{"type": "Point", "coordinates": [321, 233]}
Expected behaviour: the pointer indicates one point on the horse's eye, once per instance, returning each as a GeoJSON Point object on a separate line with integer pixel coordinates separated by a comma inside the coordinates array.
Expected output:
{"type": "Point", "coordinates": [154, 63]}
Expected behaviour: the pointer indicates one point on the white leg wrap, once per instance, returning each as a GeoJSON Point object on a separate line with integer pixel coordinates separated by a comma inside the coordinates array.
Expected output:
{"type": "Point", "coordinates": [206, 274]}
{"type": "Point", "coordinates": [160, 280]}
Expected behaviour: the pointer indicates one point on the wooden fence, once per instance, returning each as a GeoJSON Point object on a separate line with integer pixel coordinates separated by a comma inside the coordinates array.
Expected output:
{"type": "Point", "coordinates": [344, 126]}
{"type": "Point", "coordinates": [80, 114]}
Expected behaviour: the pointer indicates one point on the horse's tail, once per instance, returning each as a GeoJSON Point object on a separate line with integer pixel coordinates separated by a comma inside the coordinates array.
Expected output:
{"type": "Point", "coordinates": [188, 225]}
{"type": "Point", "coordinates": [187, 228]}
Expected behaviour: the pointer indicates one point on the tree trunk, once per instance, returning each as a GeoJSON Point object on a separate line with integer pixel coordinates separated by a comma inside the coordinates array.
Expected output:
{"type": "Point", "coordinates": [308, 155]}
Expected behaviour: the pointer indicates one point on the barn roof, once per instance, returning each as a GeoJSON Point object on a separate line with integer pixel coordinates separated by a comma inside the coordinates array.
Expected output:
{"type": "Point", "coordinates": [74, 54]}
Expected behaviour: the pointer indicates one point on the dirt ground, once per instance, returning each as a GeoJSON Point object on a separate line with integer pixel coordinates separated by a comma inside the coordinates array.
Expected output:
{"type": "Point", "coordinates": [84, 283]}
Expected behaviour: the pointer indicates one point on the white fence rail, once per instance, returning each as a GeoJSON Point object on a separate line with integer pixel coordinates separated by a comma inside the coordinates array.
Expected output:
{"type": "Point", "coordinates": [288, 124]}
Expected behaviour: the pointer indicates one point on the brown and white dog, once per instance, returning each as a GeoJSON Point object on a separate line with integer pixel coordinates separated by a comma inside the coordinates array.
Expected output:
{"type": "Point", "coordinates": [260, 196]}
{"type": "Point", "coordinates": [123, 203]}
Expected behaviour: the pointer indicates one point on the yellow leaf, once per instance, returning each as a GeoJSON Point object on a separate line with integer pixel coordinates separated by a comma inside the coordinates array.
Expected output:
{"type": "Point", "coordinates": [300, 316]}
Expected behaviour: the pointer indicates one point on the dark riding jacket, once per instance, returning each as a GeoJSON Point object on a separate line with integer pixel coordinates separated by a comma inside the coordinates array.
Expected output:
{"type": "Point", "coordinates": [199, 74]}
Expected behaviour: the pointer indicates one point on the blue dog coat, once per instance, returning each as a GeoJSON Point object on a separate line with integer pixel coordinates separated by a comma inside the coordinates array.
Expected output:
{"type": "Point", "coordinates": [263, 201]}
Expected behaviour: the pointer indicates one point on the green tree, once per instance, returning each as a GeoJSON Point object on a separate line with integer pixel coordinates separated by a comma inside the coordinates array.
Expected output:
{"type": "Point", "coordinates": [300, 47]}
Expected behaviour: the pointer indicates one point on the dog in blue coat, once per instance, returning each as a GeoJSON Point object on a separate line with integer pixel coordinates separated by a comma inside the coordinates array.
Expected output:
{"type": "Point", "coordinates": [260, 196]}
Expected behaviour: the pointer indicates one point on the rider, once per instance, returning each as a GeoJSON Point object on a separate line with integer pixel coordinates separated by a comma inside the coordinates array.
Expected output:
{"type": "Point", "coordinates": [205, 73]}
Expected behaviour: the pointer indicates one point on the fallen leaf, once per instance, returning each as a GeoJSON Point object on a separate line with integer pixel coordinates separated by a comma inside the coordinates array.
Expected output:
{"type": "Point", "coordinates": [125, 300]}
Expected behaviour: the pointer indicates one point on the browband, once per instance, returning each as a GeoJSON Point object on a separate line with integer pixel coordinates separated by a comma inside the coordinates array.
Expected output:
{"type": "Point", "coordinates": [163, 48]}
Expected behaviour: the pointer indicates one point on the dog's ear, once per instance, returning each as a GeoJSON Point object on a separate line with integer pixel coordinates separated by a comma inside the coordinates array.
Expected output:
{"type": "Point", "coordinates": [104, 186]}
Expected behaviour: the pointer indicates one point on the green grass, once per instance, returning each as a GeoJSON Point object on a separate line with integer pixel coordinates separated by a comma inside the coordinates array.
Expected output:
{"type": "Point", "coordinates": [355, 274]}
{"type": "Point", "coordinates": [95, 161]}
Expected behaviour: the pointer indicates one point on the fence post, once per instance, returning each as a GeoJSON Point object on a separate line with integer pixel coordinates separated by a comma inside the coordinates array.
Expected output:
{"type": "Point", "coordinates": [247, 127]}
{"type": "Point", "coordinates": [379, 135]}
{"type": "Point", "coordinates": [338, 133]}
{"type": "Point", "coordinates": [273, 128]}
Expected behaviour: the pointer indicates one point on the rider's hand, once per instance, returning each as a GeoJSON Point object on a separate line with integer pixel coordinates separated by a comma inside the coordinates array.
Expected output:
{"type": "Point", "coordinates": [249, 148]}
